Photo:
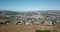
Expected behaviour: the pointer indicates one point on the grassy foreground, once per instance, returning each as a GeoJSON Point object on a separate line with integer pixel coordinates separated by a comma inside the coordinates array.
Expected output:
{"type": "Point", "coordinates": [28, 28]}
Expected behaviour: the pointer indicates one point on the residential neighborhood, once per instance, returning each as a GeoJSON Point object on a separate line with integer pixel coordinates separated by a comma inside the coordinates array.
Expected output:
{"type": "Point", "coordinates": [35, 19]}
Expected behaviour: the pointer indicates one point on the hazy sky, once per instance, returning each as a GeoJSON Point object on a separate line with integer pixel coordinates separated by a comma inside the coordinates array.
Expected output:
{"type": "Point", "coordinates": [29, 5]}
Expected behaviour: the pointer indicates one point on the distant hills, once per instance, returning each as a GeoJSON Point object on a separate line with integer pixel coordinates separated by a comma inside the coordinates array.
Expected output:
{"type": "Point", "coordinates": [29, 13]}
{"type": "Point", "coordinates": [8, 12]}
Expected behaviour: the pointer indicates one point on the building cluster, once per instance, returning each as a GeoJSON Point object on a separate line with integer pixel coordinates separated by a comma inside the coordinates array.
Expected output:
{"type": "Point", "coordinates": [35, 20]}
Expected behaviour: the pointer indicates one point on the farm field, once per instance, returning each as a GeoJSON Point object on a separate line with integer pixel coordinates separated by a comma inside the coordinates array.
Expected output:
{"type": "Point", "coordinates": [27, 28]}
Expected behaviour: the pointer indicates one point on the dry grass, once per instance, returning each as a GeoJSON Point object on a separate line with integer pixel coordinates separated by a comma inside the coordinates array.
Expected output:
{"type": "Point", "coordinates": [27, 28]}
{"type": "Point", "coordinates": [2, 20]}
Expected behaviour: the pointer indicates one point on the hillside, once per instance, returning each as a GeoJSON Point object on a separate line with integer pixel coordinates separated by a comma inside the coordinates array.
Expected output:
{"type": "Point", "coordinates": [43, 20]}
{"type": "Point", "coordinates": [28, 28]}
{"type": "Point", "coordinates": [48, 17]}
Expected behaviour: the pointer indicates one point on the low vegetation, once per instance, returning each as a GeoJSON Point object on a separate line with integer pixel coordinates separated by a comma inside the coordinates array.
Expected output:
{"type": "Point", "coordinates": [42, 31]}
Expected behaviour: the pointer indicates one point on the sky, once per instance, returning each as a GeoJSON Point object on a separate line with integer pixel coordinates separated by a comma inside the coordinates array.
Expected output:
{"type": "Point", "coordinates": [29, 5]}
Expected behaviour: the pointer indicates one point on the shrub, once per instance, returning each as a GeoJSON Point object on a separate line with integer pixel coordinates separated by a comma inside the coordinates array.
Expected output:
{"type": "Point", "coordinates": [42, 31]}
